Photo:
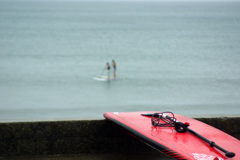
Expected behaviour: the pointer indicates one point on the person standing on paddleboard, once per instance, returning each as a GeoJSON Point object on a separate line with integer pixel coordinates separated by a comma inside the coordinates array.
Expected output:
{"type": "Point", "coordinates": [114, 68]}
{"type": "Point", "coordinates": [108, 68]}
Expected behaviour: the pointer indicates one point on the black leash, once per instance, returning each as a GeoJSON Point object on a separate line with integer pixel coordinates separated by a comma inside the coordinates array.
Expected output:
{"type": "Point", "coordinates": [167, 119]}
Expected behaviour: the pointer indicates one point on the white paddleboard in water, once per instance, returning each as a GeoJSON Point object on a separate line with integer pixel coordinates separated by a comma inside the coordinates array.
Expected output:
{"type": "Point", "coordinates": [102, 78]}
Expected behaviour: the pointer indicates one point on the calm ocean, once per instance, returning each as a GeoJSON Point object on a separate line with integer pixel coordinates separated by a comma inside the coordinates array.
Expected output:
{"type": "Point", "coordinates": [182, 57]}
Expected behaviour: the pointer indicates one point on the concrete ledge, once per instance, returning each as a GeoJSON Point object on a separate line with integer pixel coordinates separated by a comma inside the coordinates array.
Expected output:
{"type": "Point", "coordinates": [81, 137]}
{"type": "Point", "coordinates": [229, 125]}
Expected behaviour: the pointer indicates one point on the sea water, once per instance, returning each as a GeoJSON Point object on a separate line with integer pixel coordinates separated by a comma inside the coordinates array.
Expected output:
{"type": "Point", "coordinates": [178, 56]}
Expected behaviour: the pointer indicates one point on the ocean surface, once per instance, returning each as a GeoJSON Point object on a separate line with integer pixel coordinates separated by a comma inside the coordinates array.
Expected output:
{"type": "Point", "coordinates": [182, 57]}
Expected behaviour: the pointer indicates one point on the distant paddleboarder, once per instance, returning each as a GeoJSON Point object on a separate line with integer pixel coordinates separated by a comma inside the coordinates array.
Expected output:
{"type": "Point", "coordinates": [108, 67]}
{"type": "Point", "coordinates": [114, 68]}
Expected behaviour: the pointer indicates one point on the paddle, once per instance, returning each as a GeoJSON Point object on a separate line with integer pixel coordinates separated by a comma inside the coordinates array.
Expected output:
{"type": "Point", "coordinates": [182, 127]}
{"type": "Point", "coordinates": [102, 71]}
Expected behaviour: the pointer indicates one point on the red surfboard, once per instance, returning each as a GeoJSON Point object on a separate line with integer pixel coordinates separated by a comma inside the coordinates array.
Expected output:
{"type": "Point", "coordinates": [178, 136]}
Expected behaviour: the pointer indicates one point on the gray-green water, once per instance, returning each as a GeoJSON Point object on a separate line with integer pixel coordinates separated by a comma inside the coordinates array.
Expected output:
{"type": "Point", "coordinates": [182, 57]}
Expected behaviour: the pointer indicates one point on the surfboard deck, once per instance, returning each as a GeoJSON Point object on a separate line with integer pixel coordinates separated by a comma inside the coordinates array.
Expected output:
{"type": "Point", "coordinates": [182, 146]}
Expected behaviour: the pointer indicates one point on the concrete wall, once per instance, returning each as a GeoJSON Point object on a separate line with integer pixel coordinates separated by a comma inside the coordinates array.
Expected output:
{"type": "Point", "coordinates": [81, 137]}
